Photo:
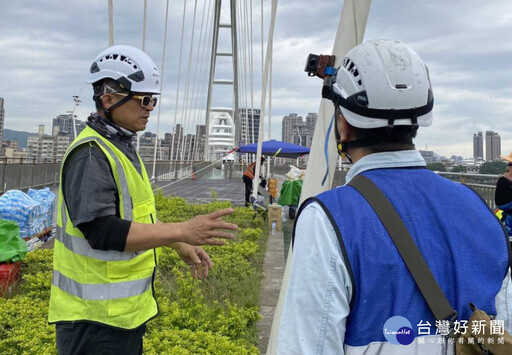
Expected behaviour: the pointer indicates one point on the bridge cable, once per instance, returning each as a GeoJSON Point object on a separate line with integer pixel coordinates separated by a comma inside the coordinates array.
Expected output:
{"type": "Point", "coordinates": [187, 84]}
{"type": "Point", "coordinates": [161, 88]}
{"type": "Point", "coordinates": [171, 156]}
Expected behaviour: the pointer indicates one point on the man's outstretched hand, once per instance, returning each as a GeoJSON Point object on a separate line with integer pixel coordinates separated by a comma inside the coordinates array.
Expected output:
{"type": "Point", "coordinates": [194, 256]}
{"type": "Point", "coordinates": [204, 229]}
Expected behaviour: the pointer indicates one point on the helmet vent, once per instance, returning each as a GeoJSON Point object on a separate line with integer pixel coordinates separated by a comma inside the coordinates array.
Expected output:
{"type": "Point", "coordinates": [351, 68]}
{"type": "Point", "coordinates": [401, 86]}
{"type": "Point", "coordinates": [120, 58]}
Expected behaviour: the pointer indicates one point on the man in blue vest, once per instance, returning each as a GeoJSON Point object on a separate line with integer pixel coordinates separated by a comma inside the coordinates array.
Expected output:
{"type": "Point", "coordinates": [347, 279]}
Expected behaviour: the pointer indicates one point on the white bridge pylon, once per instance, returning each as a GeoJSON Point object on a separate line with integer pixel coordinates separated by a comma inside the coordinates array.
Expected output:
{"type": "Point", "coordinates": [222, 123]}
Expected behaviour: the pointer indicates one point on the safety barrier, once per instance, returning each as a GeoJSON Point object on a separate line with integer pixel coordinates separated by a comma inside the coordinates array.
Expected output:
{"type": "Point", "coordinates": [24, 175]}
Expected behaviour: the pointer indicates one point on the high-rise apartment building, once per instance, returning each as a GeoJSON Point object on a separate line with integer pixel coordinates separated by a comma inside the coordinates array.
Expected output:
{"type": "Point", "coordinates": [2, 118]}
{"type": "Point", "coordinates": [288, 126]}
{"type": "Point", "coordinates": [492, 146]}
{"type": "Point", "coordinates": [63, 124]}
{"type": "Point", "coordinates": [174, 140]}
{"type": "Point", "coordinates": [44, 148]}
{"type": "Point", "coordinates": [250, 128]}
{"type": "Point", "coordinates": [199, 142]}
{"type": "Point", "coordinates": [297, 131]}
{"type": "Point", "coordinates": [478, 146]}
{"type": "Point", "coordinates": [60, 145]}
{"type": "Point", "coordinates": [40, 146]}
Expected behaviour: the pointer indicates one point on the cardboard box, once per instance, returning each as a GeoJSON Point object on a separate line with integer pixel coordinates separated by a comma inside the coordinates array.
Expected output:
{"type": "Point", "coordinates": [274, 215]}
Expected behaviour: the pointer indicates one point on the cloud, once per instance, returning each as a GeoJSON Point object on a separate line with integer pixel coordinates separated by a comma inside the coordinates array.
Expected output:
{"type": "Point", "coordinates": [47, 47]}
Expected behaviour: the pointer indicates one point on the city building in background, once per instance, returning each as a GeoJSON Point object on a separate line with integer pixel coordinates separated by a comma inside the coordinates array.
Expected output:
{"type": "Point", "coordinates": [250, 130]}
{"type": "Point", "coordinates": [63, 124]}
{"type": "Point", "coordinates": [40, 146]}
{"type": "Point", "coordinates": [61, 143]}
{"type": "Point", "coordinates": [10, 152]}
{"type": "Point", "coordinates": [147, 151]}
{"type": "Point", "coordinates": [430, 156]}
{"type": "Point", "coordinates": [492, 146]}
{"type": "Point", "coordinates": [186, 146]}
{"type": "Point", "coordinates": [173, 141]}
{"type": "Point", "coordinates": [288, 125]}
{"type": "Point", "coordinates": [478, 146]}
{"type": "Point", "coordinates": [200, 141]}
{"type": "Point", "coordinates": [2, 118]}
{"type": "Point", "coordinates": [296, 130]}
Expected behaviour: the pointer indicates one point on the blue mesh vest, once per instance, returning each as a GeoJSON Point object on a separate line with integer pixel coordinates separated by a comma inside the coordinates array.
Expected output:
{"type": "Point", "coordinates": [459, 237]}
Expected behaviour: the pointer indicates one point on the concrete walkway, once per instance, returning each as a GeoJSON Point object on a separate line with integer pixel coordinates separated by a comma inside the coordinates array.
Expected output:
{"type": "Point", "coordinates": [273, 269]}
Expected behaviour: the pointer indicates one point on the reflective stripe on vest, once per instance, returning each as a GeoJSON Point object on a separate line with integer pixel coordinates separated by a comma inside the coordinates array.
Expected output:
{"type": "Point", "coordinates": [82, 247]}
{"type": "Point", "coordinates": [99, 292]}
{"type": "Point", "coordinates": [249, 172]}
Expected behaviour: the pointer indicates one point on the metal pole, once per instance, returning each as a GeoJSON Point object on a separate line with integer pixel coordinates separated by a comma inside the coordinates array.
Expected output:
{"type": "Point", "coordinates": [144, 25]}
{"type": "Point", "coordinates": [161, 89]}
{"type": "Point", "coordinates": [110, 23]}
{"type": "Point", "coordinates": [3, 175]}
{"type": "Point", "coordinates": [33, 173]}
{"type": "Point", "coordinates": [215, 40]}
{"type": "Point", "coordinates": [77, 102]}
{"type": "Point", "coordinates": [269, 105]}
{"type": "Point", "coordinates": [234, 48]}
{"type": "Point", "coordinates": [21, 174]}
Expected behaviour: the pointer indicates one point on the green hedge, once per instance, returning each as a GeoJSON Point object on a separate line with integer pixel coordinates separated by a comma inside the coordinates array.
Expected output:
{"type": "Point", "coordinates": [216, 315]}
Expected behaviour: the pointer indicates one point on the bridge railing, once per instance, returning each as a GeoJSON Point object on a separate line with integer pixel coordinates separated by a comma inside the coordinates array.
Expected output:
{"type": "Point", "coordinates": [26, 175]}
{"type": "Point", "coordinates": [29, 174]}
{"type": "Point", "coordinates": [173, 170]}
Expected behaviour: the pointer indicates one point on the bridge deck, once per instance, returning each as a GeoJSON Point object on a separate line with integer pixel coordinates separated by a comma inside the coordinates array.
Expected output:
{"type": "Point", "coordinates": [200, 190]}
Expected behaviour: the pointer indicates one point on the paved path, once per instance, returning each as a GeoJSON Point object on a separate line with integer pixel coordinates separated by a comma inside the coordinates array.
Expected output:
{"type": "Point", "coordinates": [273, 269]}
{"type": "Point", "coordinates": [200, 190]}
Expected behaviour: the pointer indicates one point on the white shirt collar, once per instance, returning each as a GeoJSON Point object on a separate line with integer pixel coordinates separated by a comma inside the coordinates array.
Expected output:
{"type": "Point", "coordinates": [397, 159]}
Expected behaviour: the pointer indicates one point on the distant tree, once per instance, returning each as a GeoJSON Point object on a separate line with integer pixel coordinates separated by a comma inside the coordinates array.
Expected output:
{"type": "Point", "coordinates": [459, 169]}
{"type": "Point", "coordinates": [436, 166]}
{"type": "Point", "coordinates": [493, 167]}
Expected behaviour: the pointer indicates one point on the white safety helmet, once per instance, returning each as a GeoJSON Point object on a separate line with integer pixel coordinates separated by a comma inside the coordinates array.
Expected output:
{"type": "Point", "coordinates": [132, 68]}
{"type": "Point", "coordinates": [382, 83]}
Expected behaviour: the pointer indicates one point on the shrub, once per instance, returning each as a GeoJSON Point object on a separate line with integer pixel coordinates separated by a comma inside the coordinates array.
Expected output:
{"type": "Point", "coordinates": [216, 315]}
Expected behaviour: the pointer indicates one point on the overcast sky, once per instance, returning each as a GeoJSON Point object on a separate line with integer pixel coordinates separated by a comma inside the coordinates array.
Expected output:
{"type": "Point", "coordinates": [47, 46]}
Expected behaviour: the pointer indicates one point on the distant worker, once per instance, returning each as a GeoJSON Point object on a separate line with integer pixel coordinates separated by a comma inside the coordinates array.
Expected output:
{"type": "Point", "coordinates": [248, 177]}
{"type": "Point", "coordinates": [503, 195]}
{"type": "Point", "coordinates": [347, 277]}
{"type": "Point", "coordinates": [106, 249]}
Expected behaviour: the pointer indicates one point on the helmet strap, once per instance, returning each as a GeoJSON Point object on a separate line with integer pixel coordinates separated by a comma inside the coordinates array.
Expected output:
{"type": "Point", "coordinates": [108, 112]}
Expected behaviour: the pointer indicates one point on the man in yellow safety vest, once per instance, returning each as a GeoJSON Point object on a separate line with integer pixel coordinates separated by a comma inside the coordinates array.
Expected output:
{"type": "Point", "coordinates": [106, 249]}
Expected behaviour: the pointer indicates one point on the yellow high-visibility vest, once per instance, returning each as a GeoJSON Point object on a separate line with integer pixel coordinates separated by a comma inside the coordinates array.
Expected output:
{"type": "Point", "coordinates": [109, 287]}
